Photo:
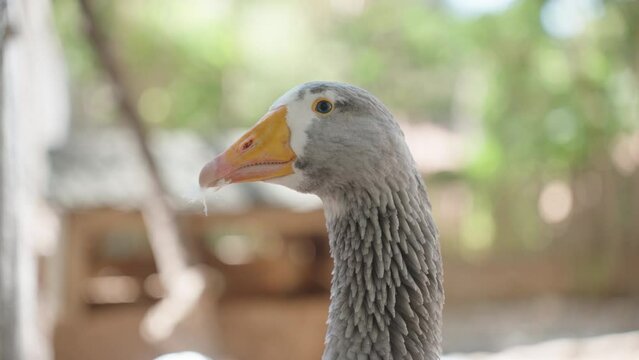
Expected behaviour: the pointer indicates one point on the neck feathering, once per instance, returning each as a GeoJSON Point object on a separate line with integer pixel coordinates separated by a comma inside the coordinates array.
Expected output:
{"type": "Point", "coordinates": [386, 292]}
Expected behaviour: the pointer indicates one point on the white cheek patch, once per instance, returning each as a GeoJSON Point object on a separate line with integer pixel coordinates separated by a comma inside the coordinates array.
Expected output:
{"type": "Point", "coordinates": [299, 118]}
{"type": "Point", "coordinates": [288, 98]}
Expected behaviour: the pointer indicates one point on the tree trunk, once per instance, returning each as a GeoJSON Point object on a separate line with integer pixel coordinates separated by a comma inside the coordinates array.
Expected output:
{"type": "Point", "coordinates": [184, 283]}
{"type": "Point", "coordinates": [33, 118]}
{"type": "Point", "coordinates": [9, 343]}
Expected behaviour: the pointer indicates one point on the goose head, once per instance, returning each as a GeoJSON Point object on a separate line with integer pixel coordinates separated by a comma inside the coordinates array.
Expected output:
{"type": "Point", "coordinates": [318, 137]}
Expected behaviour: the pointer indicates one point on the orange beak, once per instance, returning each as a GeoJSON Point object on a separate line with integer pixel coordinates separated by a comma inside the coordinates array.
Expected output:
{"type": "Point", "coordinates": [263, 153]}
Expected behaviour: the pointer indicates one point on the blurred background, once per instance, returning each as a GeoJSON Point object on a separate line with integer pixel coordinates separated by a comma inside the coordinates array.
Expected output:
{"type": "Point", "coordinates": [522, 115]}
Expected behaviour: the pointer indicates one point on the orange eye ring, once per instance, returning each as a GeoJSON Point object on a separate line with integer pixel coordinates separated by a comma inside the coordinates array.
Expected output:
{"type": "Point", "coordinates": [322, 106]}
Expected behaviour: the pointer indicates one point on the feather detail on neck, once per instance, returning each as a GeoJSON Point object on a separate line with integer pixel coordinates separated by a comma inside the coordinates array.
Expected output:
{"type": "Point", "coordinates": [386, 294]}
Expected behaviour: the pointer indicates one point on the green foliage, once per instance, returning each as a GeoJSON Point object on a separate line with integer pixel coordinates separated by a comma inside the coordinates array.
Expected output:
{"type": "Point", "coordinates": [537, 106]}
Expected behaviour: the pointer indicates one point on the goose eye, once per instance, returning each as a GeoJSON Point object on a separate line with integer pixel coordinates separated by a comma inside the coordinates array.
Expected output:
{"type": "Point", "coordinates": [323, 106]}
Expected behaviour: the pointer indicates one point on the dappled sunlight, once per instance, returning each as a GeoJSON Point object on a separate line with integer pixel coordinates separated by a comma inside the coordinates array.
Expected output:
{"type": "Point", "coordinates": [569, 18]}
{"type": "Point", "coordinates": [186, 355]}
{"type": "Point", "coordinates": [625, 154]}
{"type": "Point", "coordinates": [614, 346]}
{"type": "Point", "coordinates": [479, 7]}
{"type": "Point", "coordinates": [234, 249]}
{"type": "Point", "coordinates": [555, 202]}
{"type": "Point", "coordinates": [113, 290]}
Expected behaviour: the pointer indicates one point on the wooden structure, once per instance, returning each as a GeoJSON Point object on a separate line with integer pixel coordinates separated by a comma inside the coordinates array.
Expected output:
{"type": "Point", "coordinates": [256, 237]}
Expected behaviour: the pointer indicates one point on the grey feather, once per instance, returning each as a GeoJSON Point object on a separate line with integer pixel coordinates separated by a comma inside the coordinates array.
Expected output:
{"type": "Point", "coordinates": [387, 292]}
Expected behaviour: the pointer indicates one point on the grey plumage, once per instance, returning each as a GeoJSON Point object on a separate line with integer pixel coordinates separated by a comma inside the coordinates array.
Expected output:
{"type": "Point", "coordinates": [386, 293]}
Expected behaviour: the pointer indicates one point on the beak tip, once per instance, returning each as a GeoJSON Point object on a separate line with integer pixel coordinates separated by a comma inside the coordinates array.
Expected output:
{"type": "Point", "coordinates": [203, 184]}
{"type": "Point", "coordinates": [208, 174]}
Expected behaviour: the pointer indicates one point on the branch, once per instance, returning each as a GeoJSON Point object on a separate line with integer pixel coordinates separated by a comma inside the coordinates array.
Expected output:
{"type": "Point", "coordinates": [184, 285]}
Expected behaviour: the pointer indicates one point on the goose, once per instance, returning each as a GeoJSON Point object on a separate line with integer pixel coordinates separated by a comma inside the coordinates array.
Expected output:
{"type": "Point", "coordinates": [341, 143]}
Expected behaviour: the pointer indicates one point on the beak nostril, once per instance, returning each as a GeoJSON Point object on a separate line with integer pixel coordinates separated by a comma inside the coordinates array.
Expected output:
{"type": "Point", "coordinates": [246, 145]}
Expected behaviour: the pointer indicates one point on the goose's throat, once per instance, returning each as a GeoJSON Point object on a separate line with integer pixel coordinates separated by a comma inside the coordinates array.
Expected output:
{"type": "Point", "coordinates": [386, 293]}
